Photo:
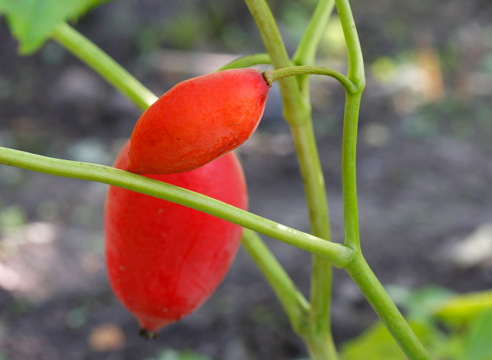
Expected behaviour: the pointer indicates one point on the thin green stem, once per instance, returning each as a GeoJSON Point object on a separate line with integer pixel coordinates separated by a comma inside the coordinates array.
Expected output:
{"type": "Point", "coordinates": [320, 342]}
{"type": "Point", "coordinates": [247, 61]}
{"type": "Point", "coordinates": [349, 179]}
{"type": "Point", "coordinates": [356, 62]}
{"type": "Point", "coordinates": [374, 292]}
{"type": "Point", "coordinates": [306, 51]}
{"type": "Point", "coordinates": [295, 110]}
{"type": "Point", "coordinates": [338, 254]}
{"type": "Point", "coordinates": [294, 303]}
{"type": "Point", "coordinates": [358, 269]}
{"type": "Point", "coordinates": [273, 75]}
{"type": "Point", "coordinates": [109, 69]}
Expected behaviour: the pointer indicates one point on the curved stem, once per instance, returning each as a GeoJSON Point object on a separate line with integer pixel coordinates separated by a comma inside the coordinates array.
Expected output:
{"type": "Point", "coordinates": [109, 69]}
{"type": "Point", "coordinates": [273, 75]}
{"type": "Point", "coordinates": [294, 303]}
{"type": "Point", "coordinates": [306, 51]}
{"type": "Point", "coordinates": [338, 254]}
{"type": "Point", "coordinates": [374, 292]}
{"type": "Point", "coordinates": [247, 61]}
{"type": "Point", "coordinates": [356, 62]}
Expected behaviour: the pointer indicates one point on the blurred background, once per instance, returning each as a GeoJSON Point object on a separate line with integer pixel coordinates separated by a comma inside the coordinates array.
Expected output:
{"type": "Point", "coordinates": [424, 171]}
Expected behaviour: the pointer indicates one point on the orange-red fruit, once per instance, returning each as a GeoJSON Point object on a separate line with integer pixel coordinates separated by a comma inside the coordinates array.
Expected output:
{"type": "Point", "coordinates": [164, 260]}
{"type": "Point", "coordinates": [197, 121]}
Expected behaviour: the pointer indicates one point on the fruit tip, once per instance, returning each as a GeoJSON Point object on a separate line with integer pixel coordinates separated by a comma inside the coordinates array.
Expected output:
{"type": "Point", "coordinates": [148, 334]}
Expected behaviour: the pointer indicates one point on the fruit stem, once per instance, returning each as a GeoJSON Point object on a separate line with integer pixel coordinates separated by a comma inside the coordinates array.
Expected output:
{"type": "Point", "coordinates": [148, 334]}
{"type": "Point", "coordinates": [273, 75]}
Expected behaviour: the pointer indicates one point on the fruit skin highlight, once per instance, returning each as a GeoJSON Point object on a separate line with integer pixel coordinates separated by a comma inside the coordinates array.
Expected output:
{"type": "Point", "coordinates": [163, 259]}
{"type": "Point", "coordinates": [197, 121]}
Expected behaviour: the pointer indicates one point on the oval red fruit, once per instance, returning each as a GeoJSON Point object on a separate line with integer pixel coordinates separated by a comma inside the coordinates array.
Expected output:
{"type": "Point", "coordinates": [164, 260]}
{"type": "Point", "coordinates": [197, 121]}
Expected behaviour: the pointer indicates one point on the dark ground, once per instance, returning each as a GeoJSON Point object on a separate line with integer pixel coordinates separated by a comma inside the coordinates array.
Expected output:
{"type": "Point", "coordinates": [424, 173]}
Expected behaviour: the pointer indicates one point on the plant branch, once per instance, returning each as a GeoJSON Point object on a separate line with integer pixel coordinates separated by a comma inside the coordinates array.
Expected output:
{"type": "Point", "coordinates": [294, 303]}
{"type": "Point", "coordinates": [247, 61]}
{"type": "Point", "coordinates": [338, 254]}
{"type": "Point", "coordinates": [374, 292]}
{"type": "Point", "coordinates": [349, 178]}
{"type": "Point", "coordinates": [356, 62]}
{"type": "Point", "coordinates": [295, 110]}
{"type": "Point", "coordinates": [306, 50]}
{"type": "Point", "coordinates": [109, 69]}
{"type": "Point", "coordinates": [298, 114]}
{"type": "Point", "coordinates": [273, 75]}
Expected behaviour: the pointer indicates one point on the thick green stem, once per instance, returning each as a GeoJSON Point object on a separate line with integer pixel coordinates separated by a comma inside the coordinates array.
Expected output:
{"type": "Point", "coordinates": [349, 179]}
{"type": "Point", "coordinates": [109, 69]}
{"type": "Point", "coordinates": [247, 61]}
{"type": "Point", "coordinates": [294, 303]}
{"type": "Point", "coordinates": [338, 254]}
{"type": "Point", "coordinates": [374, 292]}
{"type": "Point", "coordinates": [295, 110]}
{"type": "Point", "coordinates": [297, 113]}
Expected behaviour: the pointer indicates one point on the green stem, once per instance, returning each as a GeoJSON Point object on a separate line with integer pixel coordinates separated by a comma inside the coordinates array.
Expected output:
{"type": "Point", "coordinates": [356, 62]}
{"type": "Point", "coordinates": [247, 61]}
{"type": "Point", "coordinates": [372, 289]}
{"type": "Point", "coordinates": [358, 269]}
{"type": "Point", "coordinates": [306, 51]}
{"type": "Point", "coordinates": [349, 179]}
{"type": "Point", "coordinates": [294, 303]}
{"type": "Point", "coordinates": [295, 110]}
{"type": "Point", "coordinates": [320, 342]}
{"type": "Point", "coordinates": [297, 113]}
{"type": "Point", "coordinates": [273, 75]}
{"type": "Point", "coordinates": [109, 69]}
{"type": "Point", "coordinates": [338, 254]}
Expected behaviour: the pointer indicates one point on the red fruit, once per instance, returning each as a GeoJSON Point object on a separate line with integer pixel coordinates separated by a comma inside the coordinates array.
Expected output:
{"type": "Point", "coordinates": [164, 260]}
{"type": "Point", "coordinates": [197, 121]}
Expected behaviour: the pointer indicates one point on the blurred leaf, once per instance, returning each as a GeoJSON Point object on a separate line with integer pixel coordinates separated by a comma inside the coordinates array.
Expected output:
{"type": "Point", "coordinates": [478, 345]}
{"type": "Point", "coordinates": [333, 42]}
{"type": "Point", "coordinates": [376, 343]}
{"type": "Point", "coordinates": [423, 302]}
{"type": "Point", "coordinates": [383, 68]}
{"type": "Point", "coordinates": [33, 21]}
{"type": "Point", "coordinates": [76, 317]}
{"type": "Point", "coordinates": [419, 303]}
{"type": "Point", "coordinates": [12, 217]}
{"type": "Point", "coordinates": [186, 30]}
{"type": "Point", "coordinates": [461, 309]}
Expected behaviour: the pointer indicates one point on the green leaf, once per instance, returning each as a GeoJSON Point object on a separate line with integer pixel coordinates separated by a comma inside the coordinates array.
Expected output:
{"type": "Point", "coordinates": [478, 345]}
{"type": "Point", "coordinates": [460, 309]}
{"type": "Point", "coordinates": [33, 21]}
{"type": "Point", "coordinates": [421, 303]}
{"type": "Point", "coordinates": [376, 343]}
